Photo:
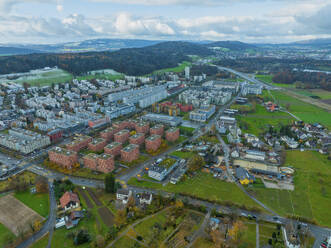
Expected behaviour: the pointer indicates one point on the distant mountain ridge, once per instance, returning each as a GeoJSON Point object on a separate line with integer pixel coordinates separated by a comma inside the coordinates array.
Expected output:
{"type": "Point", "coordinates": [232, 45]}
{"type": "Point", "coordinates": [4, 50]}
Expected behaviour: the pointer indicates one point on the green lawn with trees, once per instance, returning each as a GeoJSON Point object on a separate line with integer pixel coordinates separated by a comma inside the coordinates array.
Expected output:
{"type": "Point", "coordinates": [38, 202]}
{"type": "Point", "coordinates": [5, 235]}
{"type": "Point", "coordinates": [204, 186]}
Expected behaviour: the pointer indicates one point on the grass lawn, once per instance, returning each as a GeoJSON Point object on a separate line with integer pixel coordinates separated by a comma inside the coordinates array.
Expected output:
{"type": "Point", "coordinates": [323, 94]}
{"type": "Point", "coordinates": [41, 243]}
{"type": "Point", "coordinates": [249, 238]}
{"type": "Point", "coordinates": [101, 76]}
{"type": "Point", "coordinates": [125, 242]}
{"type": "Point", "coordinates": [184, 155]}
{"type": "Point", "coordinates": [140, 160]}
{"type": "Point", "coordinates": [312, 195]}
{"type": "Point", "coordinates": [305, 111]}
{"type": "Point", "coordinates": [186, 130]}
{"type": "Point", "coordinates": [258, 122]}
{"type": "Point", "coordinates": [5, 235]}
{"type": "Point", "coordinates": [38, 202]}
{"type": "Point", "coordinates": [179, 68]}
{"type": "Point", "coordinates": [203, 186]}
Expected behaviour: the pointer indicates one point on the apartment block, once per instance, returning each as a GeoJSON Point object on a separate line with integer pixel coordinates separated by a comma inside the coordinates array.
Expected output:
{"type": "Point", "coordinates": [137, 139]}
{"type": "Point", "coordinates": [108, 134]}
{"type": "Point", "coordinates": [63, 157]}
{"type": "Point", "coordinates": [122, 136]}
{"type": "Point", "coordinates": [172, 134]}
{"type": "Point", "coordinates": [130, 153]}
{"type": "Point", "coordinates": [103, 163]}
{"type": "Point", "coordinates": [79, 143]}
{"type": "Point", "coordinates": [113, 148]}
{"type": "Point", "coordinates": [158, 129]}
{"type": "Point", "coordinates": [153, 142]}
{"type": "Point", "coordinates": [142, 127]}
{"type": "Point", "coordinates": [97, 144]}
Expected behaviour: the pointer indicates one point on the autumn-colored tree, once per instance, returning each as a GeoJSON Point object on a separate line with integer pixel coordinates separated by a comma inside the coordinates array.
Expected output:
{"type": "Point", "coordinates": [236, 232]}
{"type": "Point", "coordinates": [179, 204]}
{"type": "Point", "coordinates": [195, 163]}
{"type": "Point", "coordinates": [218, 239]}
{"type": "Point", "coordinates": [131, 202]}
{"type": "Point", "coordinates": [100, 241]}
{"type": "Point", "coordinates": [37, 225]}
{"type": "Point", "coordinates": [41, 184]}
{"type": "Point", "coordinates": [120, 217]}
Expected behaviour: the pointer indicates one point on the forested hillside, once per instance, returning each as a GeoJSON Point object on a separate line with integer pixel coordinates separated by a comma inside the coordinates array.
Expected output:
{"type": "Point", "coordinates": [132, 61]}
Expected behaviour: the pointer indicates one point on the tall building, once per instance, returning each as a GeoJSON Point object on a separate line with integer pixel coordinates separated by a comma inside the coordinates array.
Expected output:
{"type": "Point", "coordinates": [187, 72]}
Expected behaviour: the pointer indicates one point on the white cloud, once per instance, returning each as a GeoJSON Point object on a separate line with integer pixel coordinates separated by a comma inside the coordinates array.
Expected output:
{"type": "Point", "coordinates": [59, 7]}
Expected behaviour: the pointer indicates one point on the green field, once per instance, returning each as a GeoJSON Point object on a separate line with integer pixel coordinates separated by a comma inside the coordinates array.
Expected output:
{"type": "Point", "coordinates": [184, 155]}
{"type": "Point", "coordinates": [312, 195]}
{"type": "Point", "coordinates": [5, 235]}
{"type": "Point", "coordinates": [258, 122]}
{"type": "Point", "coordinates": [204, 186]}
{"type": "Point", "coordinates": [37, 202]}
{"type": "Point", "coordinates": [268, 79]}
{"type": "Point", "coordinates": [46, 78]}
{"type": "Point", "coordinates": [305, 111]}
{"type": "Point", "coordinates": [322, 94]}
{"type": "Point", "coordinates": [126, 242]}
{"type": "Point", "coordinates": [177, 69]}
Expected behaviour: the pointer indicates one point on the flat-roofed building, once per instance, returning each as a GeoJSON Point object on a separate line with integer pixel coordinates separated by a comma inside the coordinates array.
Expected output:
{"type": "Point", "coordinates": [108, 134]}
{"type": "Point", "coordinates": [97, 144]}
{"type": "Point", "coordinates": [142, 127]}
{"type": "Point", "coordinates": [130, 153]}
{"type": "Point", "coordinates": [79, 143]}
{"type": "Point", "coordinates": [158, 129]}
{"type": "Point", "coordinates": [153, 142]}
{"type": "Point", "coordinates": [137, 139]}
{"type": "Point", "coordinates": [122, 136]}
{"type": "Point", "coordinates": [172, 134]}
{"type": "Point", "coordinates": [113, 148]}
{"type": "Point", "coordinates": [63, 157]}
{"type": "Point", "coordinates": [103, 163]}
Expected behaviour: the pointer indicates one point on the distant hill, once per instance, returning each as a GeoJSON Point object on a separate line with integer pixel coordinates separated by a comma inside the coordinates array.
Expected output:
{"type": "Point", "coordinates": [95, 45]}
{"type": "Point", "coordinates": [323, 43]}
{"type": "Point", "coordinates": [232, 45]}
{"type": "Point", "coordinates": [16, 51]}
{"type": "Point", "coordinates": [131, 61]}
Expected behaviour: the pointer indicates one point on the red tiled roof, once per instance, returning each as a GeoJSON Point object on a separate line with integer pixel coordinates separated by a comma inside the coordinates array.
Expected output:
{"type": "Point", "coordinates": [68, 197]}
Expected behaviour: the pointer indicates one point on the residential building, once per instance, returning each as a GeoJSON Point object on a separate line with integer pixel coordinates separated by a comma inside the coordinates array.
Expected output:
{"type": "Point", "coordinates": [153, 142]}
{"type": "Point", "coordinates": [123, 195]}
{"type": "Point", "coordinates": [203, 113]}
{"type": "Point", "coordinates": [165, 119]}
{"type": "Point", "coordinates": [97, 144]}
{"type": "Point", "coordinates": [157, 129]}
{"type": "Point", "coordinates": [137, 139]}
{"type": "Point", "coordinates": [79, 143]}
{"type": "Point", "coordinates": [244, 176]}
{"type": "Point", "coordinates": [146, 198]}
{"type": "Point", "coordinates": [64, 157]}
{"type": "Point", "coordinates": [130, 153]}
{"type": "Point", "coordinates": [69, 201]}
{"type": "Point", "coordinates": [255, 155]}
{"type": "Point", "coordinates": [113, 148]}
{"type": "Point", "coordinates": [159, 172]}
{"type": "Point", "coordinates": [122, 136]}
{"type": "Point", "coordinates": [172, 134]}
{"type": "Point", "coordinates": [103, 163]}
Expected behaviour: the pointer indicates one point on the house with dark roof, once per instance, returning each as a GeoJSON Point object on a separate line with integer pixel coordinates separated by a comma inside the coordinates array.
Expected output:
{"type": "Point", "coordinates": [244, 176]}
{"type": "Point", "coordinates": [69, 201]}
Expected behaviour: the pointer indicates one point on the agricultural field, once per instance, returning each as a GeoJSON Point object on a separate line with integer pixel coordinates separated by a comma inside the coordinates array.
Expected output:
{"type": "Point", "coordinates": [37, 202]}
{"type": "Point", "coordinates": [305, 111]}
{"type": "Point", "coordinates": [268, 79]}
{"type": "Point", "coordinates": [206, 187]}
{"type": "Point", "coordinates": [312, 195]}
{"type": "Point", "coordinates": [16, 216]}
{"type": "Point", "coordinates": [258, 122]}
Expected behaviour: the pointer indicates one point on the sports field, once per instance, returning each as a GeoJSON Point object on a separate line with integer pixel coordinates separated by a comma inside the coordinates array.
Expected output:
{"type": "Point", "coordinates": [16, 216]}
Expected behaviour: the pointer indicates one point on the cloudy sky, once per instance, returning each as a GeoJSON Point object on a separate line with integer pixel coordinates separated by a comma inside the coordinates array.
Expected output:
{"type": "Point", "coordinates": [53, 21]}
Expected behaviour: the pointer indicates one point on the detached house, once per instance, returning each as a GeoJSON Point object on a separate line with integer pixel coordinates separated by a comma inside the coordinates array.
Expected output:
{"type": "Point", "coordinates": [69, 201]}
{"type": "Point", "coordinates": [123, 195]}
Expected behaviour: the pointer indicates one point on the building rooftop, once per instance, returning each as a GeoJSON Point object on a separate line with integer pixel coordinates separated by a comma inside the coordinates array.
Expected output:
{"type": "Point", "coordinates": [124, 131]}
{"type": "Point", "coordinates": [113, 144]}
{"type": "Point", "coordinates": [137, 135]}
{"type": "Point", "coordinates": [130, 147]}
{"type": "Point", "coordinates": [79, 139]}
{"type": "Point", "coordinates": [105, 156]}
{"type": "Point", "coordinates": [97, 141]}
{"type": "Point", "coordinates": [157, 126]}
{"type": "Point", "coordinates": [63, 151]}
{"type": "Point", "coordinates": [153, 137]}
{"type": "Point", "coordinates": [172, 129]}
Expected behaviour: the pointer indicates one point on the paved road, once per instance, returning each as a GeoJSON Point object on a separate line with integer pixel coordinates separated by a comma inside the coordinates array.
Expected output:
{"type": "Point", "coordinates": [257, 235]}
{"type": "Point", "coordinates": [48, 226]}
